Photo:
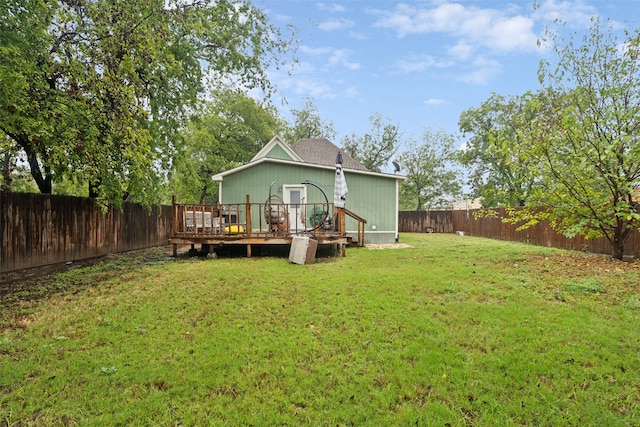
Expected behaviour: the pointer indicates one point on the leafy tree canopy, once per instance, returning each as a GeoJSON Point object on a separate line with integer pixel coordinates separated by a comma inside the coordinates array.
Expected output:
{"type": "Point", "coordinates": [583, 148]}
{"type": "Point", "coordinates": [432, 180]}
{"type": "Point", "coordinates": [495, 173]}
{"type": "Point", "coordinates": [98, 89]}
{"type": "Point", "coordinates": [229, 131]}
{"type": "Point", "coordinates": [308, 124]}
{"type": "Point", "coordinates": [374, 150]}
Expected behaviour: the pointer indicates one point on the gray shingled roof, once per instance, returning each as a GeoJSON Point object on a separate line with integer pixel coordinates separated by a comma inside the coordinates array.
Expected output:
{"type": "Point", "coordinates": [321, 151]}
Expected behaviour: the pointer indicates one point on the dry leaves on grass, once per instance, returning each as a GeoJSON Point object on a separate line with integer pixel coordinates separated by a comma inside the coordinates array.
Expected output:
{"type": "Point", "coordinates": [615, 281]}
{"type": "Point", "coordinates": [578, 263]}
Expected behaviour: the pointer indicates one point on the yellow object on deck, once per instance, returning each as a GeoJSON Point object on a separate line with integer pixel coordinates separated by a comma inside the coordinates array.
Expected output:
{"type": "Point", "coordinates": [234, 229]}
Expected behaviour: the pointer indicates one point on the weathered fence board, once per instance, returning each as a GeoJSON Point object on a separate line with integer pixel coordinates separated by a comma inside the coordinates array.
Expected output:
{"type": "Point", "coordinates": [40, 229]}
{"type": "Point", "coordinates": [426, 222]}
{"type": "Point", "coordinates": [493, 227]}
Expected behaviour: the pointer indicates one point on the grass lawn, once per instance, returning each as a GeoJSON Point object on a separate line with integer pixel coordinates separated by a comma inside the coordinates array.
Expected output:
{"type": "Point", "coordinates": [453, 331]}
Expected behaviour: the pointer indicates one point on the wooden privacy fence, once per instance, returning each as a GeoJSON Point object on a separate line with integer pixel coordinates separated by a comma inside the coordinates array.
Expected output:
{"type": "Point", "coordinates": [40, 229]}
{"type": "Point", "coordinates": [425, 222]}
{"type": "Point", "coordinates": [493, 227]}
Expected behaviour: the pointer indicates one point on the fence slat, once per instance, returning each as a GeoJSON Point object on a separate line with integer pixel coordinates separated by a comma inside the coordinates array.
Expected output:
{"type": "Point", "coordinates": [41, 229]}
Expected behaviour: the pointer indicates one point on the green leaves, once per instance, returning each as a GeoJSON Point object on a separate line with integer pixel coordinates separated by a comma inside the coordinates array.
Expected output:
{"type": "Point", "coordinates": [429, 166]}
{"type": "Point", "coordinates": [583, 146]}
{"type": "Point", "coordinates": [307, 123]}
{"type": "Point", "coordinates": [498, 169]}
{"type": "Point", "coordinates": [98, 91]}
{"type": "Point", "coordinates": [569, 151]}
{"type": "Point", "coordinates": [229, 131]}
{"type": "Point", "coordinates": [374, 150]}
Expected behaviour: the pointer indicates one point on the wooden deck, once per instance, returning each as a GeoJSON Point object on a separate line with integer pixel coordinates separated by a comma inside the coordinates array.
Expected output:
{"type": "Point", "coordinates": [250, 224]}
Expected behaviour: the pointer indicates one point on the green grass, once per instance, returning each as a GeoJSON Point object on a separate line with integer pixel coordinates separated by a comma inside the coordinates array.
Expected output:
{"type": "Point", "coordinates": [453, 331]}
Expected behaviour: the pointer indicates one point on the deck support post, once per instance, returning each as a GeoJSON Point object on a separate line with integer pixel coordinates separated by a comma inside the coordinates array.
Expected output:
{"type": "Point", "coordinates": [174, 223]}
{"type": "Point", "coordinates": [340, 220]}
{"type": "Point", "coordinates": [247, 224]}
{"type": "Point", "coordinates": [248, 214]}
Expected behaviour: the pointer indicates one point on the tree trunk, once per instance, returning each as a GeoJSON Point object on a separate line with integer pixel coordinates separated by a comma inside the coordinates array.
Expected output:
{"type": "Point", "coordinates": [6, 172]}
{"type": "Point", "coordinates": [618, 250]}
{"type": "Point", "coordinates": [620, 235]}
{"type": "Point", "coordinates": [93, 190]}
{"type": "Point", "coordinates": [41, 175]}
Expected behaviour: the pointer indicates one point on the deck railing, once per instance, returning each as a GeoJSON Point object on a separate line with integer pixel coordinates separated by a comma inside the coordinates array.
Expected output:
{"type": "Point", "coordinates": [361, 223]}
{"type": "Point", "coordinates": [240, 220]}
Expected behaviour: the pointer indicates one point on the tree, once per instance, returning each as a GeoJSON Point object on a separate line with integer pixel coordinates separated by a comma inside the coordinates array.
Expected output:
{"type": "Point", "coordinates": [229, 131]}
{"type": "Point", "coordinates": [307, 124]}
{"type": "Point", "coordinates": [431, 178]}
{"type": "Point", "coordinates": [8, 163]}
{"type": "Point", "coordinates": [583, 147]}
{"type": "Point", "coordinates": [374, 150]}
{"type": "Point", "coordinates": [496, 175]}
{"type": "Point", "coordinates": [98, 90]}
{"type": "Point", "coordinates": [15, 176]}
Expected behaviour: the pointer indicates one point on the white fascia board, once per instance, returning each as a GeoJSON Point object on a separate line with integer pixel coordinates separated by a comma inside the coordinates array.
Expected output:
{"type": "Point", "coordinates": [276, 140]}
{"type": "Point", "coordinates": [221, 175]}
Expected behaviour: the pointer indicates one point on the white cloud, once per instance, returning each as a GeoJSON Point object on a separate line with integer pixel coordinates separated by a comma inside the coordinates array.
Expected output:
{"type": "Point", "coordinates": [484, 70]}
{"type": "Point", "coordinates": [575, 14]}
{"type": "Point", "coordinates": [512, 34]}
{"type": "Point", "coordinates": [309, 76]}
{"type": "Point", "coordinates": [303, 67]}
{"type": "Point", "coordinates": [340, 58]}
{"type": "Point", "coordinates": [352, 92]}
{"type": "Point", "coordinates": [302, 82]}
{"type": "Point", "coordinates": [357, 35]}
{"type": "Point", "coordinates": [314, 89]}
{"type": "Point", "coordinates": [314, 51]}
{"type": "Point", "coordinates": [335, 57]}
{"type": "Point", "coordinates": [462, 50]}
{"type": "Point", "coordinates": [415, 64]}
{"type": "Point", "coordinates": [331, 7]}
{"type": "Point", "coordinates": [500, 30]}
{"type": "Point", "coordinates": [335, 24]}
{"type": "Point", "coordinates": [418, 63]}
{"type": "Point", "coordinates": [434, 101]}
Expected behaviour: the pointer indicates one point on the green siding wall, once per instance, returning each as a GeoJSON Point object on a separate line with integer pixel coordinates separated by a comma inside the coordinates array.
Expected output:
{"type": "Point", "coordinates": [374, 199]}
{"type": "Point", "coordinates": [278, 153]}
{"type": "Point", "coordinates": [370, 197]}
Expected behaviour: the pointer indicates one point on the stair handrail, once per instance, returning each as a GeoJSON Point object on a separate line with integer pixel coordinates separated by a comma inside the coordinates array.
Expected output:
{"type": "Point", "coordinates": [361, 223]}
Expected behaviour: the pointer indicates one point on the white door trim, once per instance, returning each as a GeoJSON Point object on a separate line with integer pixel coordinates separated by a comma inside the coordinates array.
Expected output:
{"type": "Point", "coordinates": [296, 205]}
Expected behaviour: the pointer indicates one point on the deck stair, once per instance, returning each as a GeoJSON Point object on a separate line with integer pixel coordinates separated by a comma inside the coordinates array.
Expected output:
{"type": "Point", "coordinates": [361, 223]}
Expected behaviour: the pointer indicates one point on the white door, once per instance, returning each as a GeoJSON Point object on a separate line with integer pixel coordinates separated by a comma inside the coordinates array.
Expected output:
{"type": "Point", "coordinates": [295, 196]}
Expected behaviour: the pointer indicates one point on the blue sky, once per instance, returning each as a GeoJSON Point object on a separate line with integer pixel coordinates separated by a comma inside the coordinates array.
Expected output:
{"type": "Point", "coordinates": [421, 63]}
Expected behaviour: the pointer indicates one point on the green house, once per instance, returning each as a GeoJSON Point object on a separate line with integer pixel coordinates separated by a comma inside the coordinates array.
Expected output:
{"type": "Point", "coordinates": [304, 173]}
